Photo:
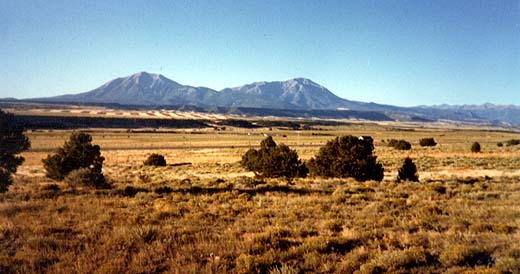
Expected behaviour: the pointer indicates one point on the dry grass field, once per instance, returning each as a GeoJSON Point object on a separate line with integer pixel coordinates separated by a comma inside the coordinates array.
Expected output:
{"type": "Point", "coordinates": [212, 216]}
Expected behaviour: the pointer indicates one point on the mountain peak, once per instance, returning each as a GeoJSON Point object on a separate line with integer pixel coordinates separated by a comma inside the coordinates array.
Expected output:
{"type": "Point", "coordinates": [143, 79]}
{"type": "Point", "coordinates": [305, 85]}
{"type": "Point", "coordinates": [302, 81]}
{"type": "Point", "coordinates": [142, 73]}
{"type": "Point", "coordinates": [143, 76]}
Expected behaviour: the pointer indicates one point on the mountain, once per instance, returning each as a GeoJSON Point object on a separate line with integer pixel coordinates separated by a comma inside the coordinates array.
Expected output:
{"type": "Point", "coordinates": [295, 94]}
{"type": "Point", "coordinates": [154, 89]}
{"type": "Point", "coordinates": [490, 112]}
{"type": "Point", "coordinates": [141, 89]}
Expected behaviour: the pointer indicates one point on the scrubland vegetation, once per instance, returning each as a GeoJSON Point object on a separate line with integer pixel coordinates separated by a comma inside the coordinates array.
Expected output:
{"type": "Point", "coordinates": [475, 147]}
{"type": "Point", "coordinates": [155, 160]}
{"type": "Point", "coordinates": [205, 213]}
{"type": "Point", "coordinates": [399, 144]}
{"type": "Point", "coordinates": [427, 142]}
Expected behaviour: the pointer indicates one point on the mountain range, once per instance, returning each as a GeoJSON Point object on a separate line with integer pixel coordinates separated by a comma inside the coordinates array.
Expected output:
{"type": "Point", "coordinates": [154, 89]}
{"type": "Point", "coordinates": [295, 94]}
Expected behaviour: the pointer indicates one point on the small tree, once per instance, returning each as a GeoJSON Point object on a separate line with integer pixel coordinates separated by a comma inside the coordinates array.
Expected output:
{"type": "Point", "coordinates": [347, 156]}
{"type": "Point", "coordinates": [274, 161]}
{"type": "Point", "coordinates": [12, 142]}
{"type": "Point", "coordinates": [77, 152]}
{"type": "Point", "coordinates": [427, 142]}
{"type": "Point", "coordinates": [408, 171]}
{"type": "Point", "coordinates": [475, 147]}
{"type": "Point", "coordinates": [155, 160]}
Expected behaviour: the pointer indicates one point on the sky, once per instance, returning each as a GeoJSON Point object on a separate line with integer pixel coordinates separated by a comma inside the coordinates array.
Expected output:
{"type": "Point", "coordinates": [398, 52]}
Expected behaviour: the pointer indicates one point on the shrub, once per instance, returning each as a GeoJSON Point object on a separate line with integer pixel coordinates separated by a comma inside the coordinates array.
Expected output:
{"type": "Point", "coordinates": [85, 177]}
{"type": "Point", "coordinates": [155, 160]}
{"type": "Point", "coordinates": [499, 144]}
{"type": "Point", "coordinates": [163, 190]}
{"type": "Point", "coordinates": [462, 255]}
{"type": "Point", "coordinates": [513, 142]}
{"type": "Point", "coordinates": [395, 260]}
{"type": "Point", "coordinates": [284, 269]}
{"type": "Point", "coordinates": [49, 191]}
{"type": "Point", "coordinates": [392, 142]}
{"type": "Point", "coordinates": [475, 147]}
{"type": "Point", "coordinates": [508, 264]}
{"type": "Point", "coordinates": [131, 191]}
{"type": "Point", "coordinates": [399, 144]}
{"type": "Point", "coordinates": [274, 161]}
{"type": "Point", "coordinates": [347, 156]}
{"type": "Point", "coordinates": [5, 180]}
{"type": "Point", "coordinates": [12, 142]}
{"type": "Point", "coordinates": [51, 187]}
{"type": "Point", "coordinates": [408, 172]}
{"type": "Point", "coordinates": [77, 152]}
{"type": "Point", "coordinates": [427, 142]}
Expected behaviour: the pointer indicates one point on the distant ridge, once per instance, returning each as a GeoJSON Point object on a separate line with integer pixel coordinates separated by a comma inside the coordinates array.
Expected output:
{"type": "Point", "coordinates": [145, 88]}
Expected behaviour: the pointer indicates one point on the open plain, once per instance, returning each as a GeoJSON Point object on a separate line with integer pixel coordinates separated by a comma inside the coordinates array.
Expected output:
{"type": "Point", "coordinates": [204, 213]}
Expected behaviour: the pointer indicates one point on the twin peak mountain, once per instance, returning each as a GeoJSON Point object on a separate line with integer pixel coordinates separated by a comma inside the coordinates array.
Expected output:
{"type": "Point", "coordinates": [154, 89]}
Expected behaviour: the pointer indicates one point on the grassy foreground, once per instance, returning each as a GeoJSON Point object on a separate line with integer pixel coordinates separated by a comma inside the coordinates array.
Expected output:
{"type": "Point", "coordinates": [213, 217]}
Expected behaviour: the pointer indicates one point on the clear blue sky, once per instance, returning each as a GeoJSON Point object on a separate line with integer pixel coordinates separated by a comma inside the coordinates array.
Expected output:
{"type": "Point", "coordinates": [395, 52]}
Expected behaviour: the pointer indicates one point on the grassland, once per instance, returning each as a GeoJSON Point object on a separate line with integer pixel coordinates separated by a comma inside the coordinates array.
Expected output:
{"type": "Point", "coordinates": [212, 216]}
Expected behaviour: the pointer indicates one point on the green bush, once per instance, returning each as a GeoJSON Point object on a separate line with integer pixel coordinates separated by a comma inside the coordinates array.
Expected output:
{"type": "Point", "coordinates": [347, 156]}
{"type": "Point", "coordinates": [427, 142]}
{"type": "Point", "coordinates": [274, 161]}
{"type": "Point", "coordinates": [399, 144]}
{"type": "Point", "coordinates": [408, 172]}
{"type": "Point", "coordinates": [78, 152]}
{"type": "Point", "coordinates": [475, 147]}
{"type": "Point", "coordinates": [155, 160]}
{"type": "Point", "coordinates": [85, 177]}
{"type": "Point", "coordinates": [12, 142]}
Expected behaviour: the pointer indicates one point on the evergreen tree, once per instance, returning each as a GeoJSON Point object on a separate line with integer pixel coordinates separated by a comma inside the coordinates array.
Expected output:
{"type": "Point", "coordinates": [347, 156]}
{"type": "Point", "coordinates": [12, 142]}
{"type": "Point", "coordinates": [155, 160]}
{"type": "Point", "coordinates": [427, 142]}
{"type": "Point", "coordinates": [77, 152]}
{"type": "Point", "coordinates": [408, 172]}
{"type": "Point", "coordinates": [399, 144]}
{"type": "Point", "coordinates": [475, 147]}
{"type": "Point", "coordinates": [274, 161]}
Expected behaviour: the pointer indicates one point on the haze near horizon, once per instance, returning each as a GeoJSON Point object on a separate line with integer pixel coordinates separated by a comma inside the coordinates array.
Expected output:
{"type": "Point", "coordinates": [401, 53]}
